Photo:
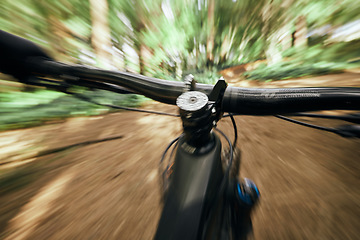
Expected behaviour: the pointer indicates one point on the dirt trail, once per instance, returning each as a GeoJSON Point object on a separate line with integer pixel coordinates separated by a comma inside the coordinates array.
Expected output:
{"type": "Point", "coordinates": [309, 180]}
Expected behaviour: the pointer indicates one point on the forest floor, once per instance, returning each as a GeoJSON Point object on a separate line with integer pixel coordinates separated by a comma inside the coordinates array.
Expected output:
{"type": "Point", "coordinates": [309, 179]}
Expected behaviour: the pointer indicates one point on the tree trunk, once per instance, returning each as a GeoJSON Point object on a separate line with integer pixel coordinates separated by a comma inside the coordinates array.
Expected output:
{"type": "Point", "coordinates": [141, 63]}
{"type": "Point", "coordinates": [197, 56]}
{"type": "Point", "coordinates": [286, 42]}
{"type": "Point", "coordinates": [184, 62]}
{"type": "Point", "coordinates": [119, 58]}
{"type": "Point", "coordinates": [139, 50]}
{"type": "Point", "coordinates": [211, 34]}
{"type": "Point", "coordinates": [100, 35]}
{"type": "Point", "coordinates": [300, 32]}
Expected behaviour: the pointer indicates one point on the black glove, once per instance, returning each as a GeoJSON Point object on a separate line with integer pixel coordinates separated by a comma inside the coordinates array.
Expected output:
{"type": "Point", "coordinates": [16, 53]}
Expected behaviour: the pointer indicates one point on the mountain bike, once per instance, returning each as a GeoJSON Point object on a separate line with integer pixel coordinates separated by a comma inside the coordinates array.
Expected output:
{"type": "Point", "coordinates": [202, 194]}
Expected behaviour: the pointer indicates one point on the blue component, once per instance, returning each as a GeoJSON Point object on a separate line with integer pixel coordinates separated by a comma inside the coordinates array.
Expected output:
{"type": "Point", "coordinates": [246, 196]}
{"type": "Point", "coordinates": [243, 196]}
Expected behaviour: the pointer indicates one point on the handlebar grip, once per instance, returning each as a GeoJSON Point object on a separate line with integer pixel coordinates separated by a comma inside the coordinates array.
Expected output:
{"type": "Point", "coordinates": [281, 101]}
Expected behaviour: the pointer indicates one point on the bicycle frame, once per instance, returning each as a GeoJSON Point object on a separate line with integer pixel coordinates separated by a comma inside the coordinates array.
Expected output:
{"type": "Point", "coordinates": [200, 198]}
{"type": "Point", "coordinates": [192, 192]}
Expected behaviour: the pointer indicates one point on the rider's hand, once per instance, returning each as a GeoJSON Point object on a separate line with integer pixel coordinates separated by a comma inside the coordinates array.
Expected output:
{"type": "Point", "coordinates": [16, 53]}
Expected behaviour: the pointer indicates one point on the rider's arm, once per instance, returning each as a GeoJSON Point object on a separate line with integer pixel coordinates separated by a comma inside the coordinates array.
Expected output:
{"type": "Point", "coordinates": [16, 53]}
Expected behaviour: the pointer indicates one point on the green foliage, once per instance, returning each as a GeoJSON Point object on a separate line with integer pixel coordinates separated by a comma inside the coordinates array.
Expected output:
{"type": "Point", "coordinates": [286, 70]}
{"type": "Point", "coordinates": [162, 75]}
{"type": "Point", "coordinates": [314, 60]}
{"type": "Point", "coordinates": [21, 109]}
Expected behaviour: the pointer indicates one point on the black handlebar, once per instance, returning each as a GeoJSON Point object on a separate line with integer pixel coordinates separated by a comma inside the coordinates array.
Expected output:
{"type": "Point", "coordinates": [289, 100]}
{"type": "Point", "coordinates": [236, 100]}
{"type": "Point", "coordinates": [22, 58]}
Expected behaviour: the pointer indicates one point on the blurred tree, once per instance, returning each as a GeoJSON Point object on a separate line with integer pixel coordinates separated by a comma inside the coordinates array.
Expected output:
{"type": "Point", "coordinates": [136, 15]}
{"type": "Point", "coordinates": [300, 34]}
{"type": "Point", "coordinates": [100, 34]}
{"type": "Point", "coordinates": [171, 37]}
{"type": "Point", "coordinates": [211, 33]}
